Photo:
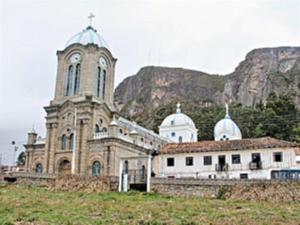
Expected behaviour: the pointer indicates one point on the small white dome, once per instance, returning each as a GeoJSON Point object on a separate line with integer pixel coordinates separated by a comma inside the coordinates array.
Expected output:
{"type": "Point", "coordinates": [88, 36]}
{"type": "Point", "coordinates": [226, 129]}
{"type": "Point", "coordinates": [177, 119]}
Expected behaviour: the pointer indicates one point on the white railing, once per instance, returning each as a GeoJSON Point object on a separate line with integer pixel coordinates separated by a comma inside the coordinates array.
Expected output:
{"type": "Point", "coordinates": [100, 135]}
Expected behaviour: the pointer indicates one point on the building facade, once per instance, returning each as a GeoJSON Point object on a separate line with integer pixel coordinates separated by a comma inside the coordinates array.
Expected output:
{"type": "Point", "coordinates": [232, 159]}
{"type": "Point", "coordinates": [85, 133]}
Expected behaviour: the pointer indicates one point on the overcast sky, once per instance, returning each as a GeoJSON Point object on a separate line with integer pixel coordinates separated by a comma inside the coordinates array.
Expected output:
{"type": "Point", "coordinates": [211, 36]}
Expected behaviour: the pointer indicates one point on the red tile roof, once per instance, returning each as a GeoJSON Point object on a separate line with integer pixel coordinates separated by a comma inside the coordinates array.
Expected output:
{"type": "Point", "coordinates": [233, 145]}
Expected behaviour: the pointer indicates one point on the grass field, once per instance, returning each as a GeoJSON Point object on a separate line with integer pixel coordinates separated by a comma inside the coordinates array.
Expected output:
{"type": "Point", "coordinates": [28, 205]}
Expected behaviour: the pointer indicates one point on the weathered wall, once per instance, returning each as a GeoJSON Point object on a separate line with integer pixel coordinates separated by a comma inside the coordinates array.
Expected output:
{"type": "Point", "coordinates": [229, 189]}
{"type": "Point", "coordinates": [67, 182]}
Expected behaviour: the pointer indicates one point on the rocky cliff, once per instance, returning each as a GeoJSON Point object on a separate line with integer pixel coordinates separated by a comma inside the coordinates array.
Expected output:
{"type": "Point", "coordinates": [263, 71]}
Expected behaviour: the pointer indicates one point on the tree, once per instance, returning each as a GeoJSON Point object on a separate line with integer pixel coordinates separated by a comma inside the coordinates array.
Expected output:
{"type": "Point", "coordinates": [21, 159]}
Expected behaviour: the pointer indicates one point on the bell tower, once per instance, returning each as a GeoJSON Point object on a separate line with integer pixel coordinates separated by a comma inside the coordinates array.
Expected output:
{"type": "Point", "coordinates": [86, 67]}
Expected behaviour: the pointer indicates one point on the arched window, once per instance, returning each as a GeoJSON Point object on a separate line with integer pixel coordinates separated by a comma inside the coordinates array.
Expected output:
{"type": "Point", "coordinates": [39, 168]}
{"type": "Point", "coordinates": [104, 129]}
{"type": "Point", "coordinates": [63, 142]}
{"type": "Point", "coordinates": [103, 84]}
{"type": "Point", "coordinates": [126, 167]}
{"type": "Point", "coordinates": [71, 144]}
{"type": "Point", "coordinates": [77, 79]}
{"type": "Point", "coordinates": [98, 82]}
{"type": "Point", "coordinates": [69, 81]}
{"type": "Point", "coordinates": [97, 129]}
{"type": "Point", "coordinates": [96, 168]}
{"type": "Point", "coordinates": [180, 139]}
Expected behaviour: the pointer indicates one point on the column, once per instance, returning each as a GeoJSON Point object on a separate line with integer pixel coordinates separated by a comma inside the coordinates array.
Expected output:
{"type": "Point", "coordinates": [52, 148]}
{"type": "Point", "coordinates": [47, 149]}
{"type": "Point", "coordinates": [84, 147]}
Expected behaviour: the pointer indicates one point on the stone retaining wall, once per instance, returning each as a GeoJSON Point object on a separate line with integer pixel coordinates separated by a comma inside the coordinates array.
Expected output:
{"type": "Point", "coordinates": [273, 190]}
{"type": "Point", "coordinates": [64, 183]}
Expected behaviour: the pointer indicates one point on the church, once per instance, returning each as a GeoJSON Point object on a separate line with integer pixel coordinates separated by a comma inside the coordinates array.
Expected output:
{"type": "Point", "coordinates": [86, 134]}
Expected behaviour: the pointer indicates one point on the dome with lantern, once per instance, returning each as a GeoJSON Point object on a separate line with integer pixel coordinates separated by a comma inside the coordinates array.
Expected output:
{"type": "Point", "coordinates": [226, 129]}
{"type": "Point", "coordinates": [88, 36]}
{"type": "Point", "coordinates": [178, 127]}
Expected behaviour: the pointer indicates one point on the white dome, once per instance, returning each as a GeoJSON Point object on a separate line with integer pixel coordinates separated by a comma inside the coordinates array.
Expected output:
{"type": "Point", "coordinates": [178, 128]}
{"type": "Point", "coordinates": [88, 36]}
{"type": "Point", "coordinates": [226, 129]}
{"type": "Point", "coordinates": [177, 119]}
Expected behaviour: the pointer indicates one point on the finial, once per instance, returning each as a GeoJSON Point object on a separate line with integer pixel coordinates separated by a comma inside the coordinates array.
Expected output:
{"type": "Point", "coordinates": [91, 16]}
{"type": "Point", "coordinates": [178, 110]}
{"type": "Point", "coordinates": [227, 111]}
{"type": "Point", "coordinates": [32, 130]}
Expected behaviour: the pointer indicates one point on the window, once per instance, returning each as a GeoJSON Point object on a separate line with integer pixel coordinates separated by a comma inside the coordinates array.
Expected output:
{"type": "Point", "coordinates": [104, 129]}
{"type": "Point", "coordinates": [96, 168]}
{"type": "Point", "coordinates": [172, 122]}
{"type": "Point", "coordinates": [207, 160]}
{"type": "Point", "coordinates": [97, 129]}
{"type": "Point", "coordinates": [63, 142]}
{"type": "Point", "coordinates": [255, 157]}
{"type": "Point", "coordinates": [143, 172]}
{"type": "Point", "coordinates": [244, 176]}
{"type": "Point", "coordinates": [173, 134]}
{"type": "Point", "coordinates": [103, 84]}
{"type": "Point", "coordinates": [235, 159]}
{"type": "Point", "coordinates": [126, 167]}
{"type": "Point", "coordinates": [39, 168]}
{"type": "Point", "coordinates": [69, 81]}
{"type": "Point", "coordinates": [121, 131]}
{"type": "Point", "coordinates": [98, 82]}
{"type": "Point", "coordinates": [180, 139]}
{"type": "Point", "coordinates": [71, 144]}
{"type": "Point", "coordinates": [189, 161]}
{"type": "Point", "coordinates": [77, 79]}
{"type": "Point", "coordinates": [170, 162]}
{"type": "Point", "coordinates": [277, 156]}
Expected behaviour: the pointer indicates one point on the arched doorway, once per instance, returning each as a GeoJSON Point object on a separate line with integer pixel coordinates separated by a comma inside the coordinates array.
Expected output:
{"type": "Point", "coordinates": [65, 167]}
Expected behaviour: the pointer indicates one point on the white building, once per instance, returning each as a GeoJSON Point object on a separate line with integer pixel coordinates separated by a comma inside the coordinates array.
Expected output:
{"type": "Point", "coordinates": [229, 156]}
{"type": "Point", "coordinates": [178, 127]}
{"type": "Point", "coordinates": [235, 159]}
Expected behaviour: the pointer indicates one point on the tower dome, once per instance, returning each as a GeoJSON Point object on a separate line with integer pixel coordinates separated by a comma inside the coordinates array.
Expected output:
{"type": "Point", "coordinates": [88, 36]}
{"type": "Point", "coordinates": [226, 129]}
{"type": "Point", "coordinates": [178, 127]}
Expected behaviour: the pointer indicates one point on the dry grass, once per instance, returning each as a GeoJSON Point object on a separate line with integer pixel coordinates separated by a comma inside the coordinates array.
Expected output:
{"type": "Point", "coordinates": [32, 205]}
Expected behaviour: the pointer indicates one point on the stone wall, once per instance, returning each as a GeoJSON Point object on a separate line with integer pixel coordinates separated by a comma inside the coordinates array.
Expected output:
{"type": "Point", "coordinates": [64, 183]}
{"type": "Point", "coordinates": [273, 190]}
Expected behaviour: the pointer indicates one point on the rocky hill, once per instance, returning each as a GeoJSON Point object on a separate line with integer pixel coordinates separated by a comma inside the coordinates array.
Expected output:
{"type": "Point", "coordinates": [263, 71]}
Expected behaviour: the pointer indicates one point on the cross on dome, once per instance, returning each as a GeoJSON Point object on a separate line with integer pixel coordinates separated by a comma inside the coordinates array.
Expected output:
{"type": "Point", "coordinates": [91, 16]}
{"type": "Point", "coordinates": [178, 110]}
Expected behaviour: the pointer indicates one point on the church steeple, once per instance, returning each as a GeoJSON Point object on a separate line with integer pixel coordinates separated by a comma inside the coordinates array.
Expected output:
{"type": "Point", "coordinates": [86, 67]}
